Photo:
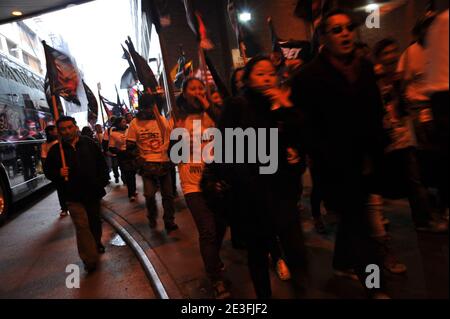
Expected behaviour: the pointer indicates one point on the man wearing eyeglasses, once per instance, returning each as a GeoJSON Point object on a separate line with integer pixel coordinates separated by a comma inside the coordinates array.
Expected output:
{"type": "Point", "coordinates": [338, 95]}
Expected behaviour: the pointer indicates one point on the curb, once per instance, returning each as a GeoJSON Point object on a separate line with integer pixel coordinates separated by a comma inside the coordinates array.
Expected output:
{"type": "Point", "coordinates": [161, 281]}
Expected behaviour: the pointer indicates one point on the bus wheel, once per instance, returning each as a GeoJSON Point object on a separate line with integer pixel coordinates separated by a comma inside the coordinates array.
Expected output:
{"type": "Point", "coordinates": [4, 201]}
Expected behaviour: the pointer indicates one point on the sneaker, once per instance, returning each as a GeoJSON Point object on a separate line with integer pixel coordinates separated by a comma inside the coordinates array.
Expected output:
{"type": "Point", "coordinates": [64, 213]}
{"type": "Point", "coordinates": [220, 290]}
{"type": "Point", "coordinates": [346, 273]}
{"type": "Point", "coordinates": [282, 270]}
{"type": "Point", "coordinates": [132, 199]}
{"type": "Point", "coordinates": [433, 227]}
{"type": "Point", "coordinates": [319, 226]}
{"type": "Point", "coordinates": [170, 227]}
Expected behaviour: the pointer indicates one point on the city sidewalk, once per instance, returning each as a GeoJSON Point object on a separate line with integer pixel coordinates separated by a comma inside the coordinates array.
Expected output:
{"type": "Point", "coordinates": [37, 245]}
{"type": "Point", "coordinates": [179, 254]}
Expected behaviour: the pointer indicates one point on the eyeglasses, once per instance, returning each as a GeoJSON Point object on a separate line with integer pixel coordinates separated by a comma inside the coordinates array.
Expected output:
{"type": "Point", "coordinates": [340, 28]}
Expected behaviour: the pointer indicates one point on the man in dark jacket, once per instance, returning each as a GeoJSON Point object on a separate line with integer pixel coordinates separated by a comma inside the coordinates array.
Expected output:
{"type": "Point", "coordinates": [82, 182]}
{"type": "Point", "coordinates": [339, 98]}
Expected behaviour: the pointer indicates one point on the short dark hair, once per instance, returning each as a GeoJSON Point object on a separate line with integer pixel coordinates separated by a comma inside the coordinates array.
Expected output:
{"type": "Point", "coordinates": [234, 89]}
{"type": "Point", "coordinates": [117, 121]}
{"type": "Point", "coordinates": [87, 131]}
{"type": "Point", "coordinates": [251, 64]}
{"type": "Point", "coordinates": [383, 44]}
{"type": "Point", "coordinates": [65, 118]}
{"type": "Point", "coordinates": [146, 100]}
{"type": "Point", "coordinates": [322, 29]}
{"type": "Point", "coordinates": [49, 128]}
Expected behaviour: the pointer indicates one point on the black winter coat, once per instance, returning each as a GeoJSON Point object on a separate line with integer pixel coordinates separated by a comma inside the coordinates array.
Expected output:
{"type": "Point", "coordinates": [88, 172]}
{"type": "Point", "coordinates": [344, 129]}
{"type": "Point", "coordinates": [256, 200]}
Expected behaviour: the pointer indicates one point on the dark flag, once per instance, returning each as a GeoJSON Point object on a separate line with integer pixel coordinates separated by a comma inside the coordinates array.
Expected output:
{"type": "Point", "coordinates": [107, 109]}
{"type": "Point", "coordinates": [122, 105]}
{"type": "Point", "coordinates": [111, 108]}
{"type": "Point", "coordinates": [143, 70]}
{"type": "Point", "coordinates": [222, 88]}
{"type": "Point", "coordinates": [48, 96]}
{"type": "Point", "coordinates": [182, 70]}
{"type": "Point", "coordinates": [92, 105]}
{"type": "Point", "coordinates": [195, 22]}
{"type": "Point", "coordinates": [62, 74]}
{"type": "Point", "coordinates": [276, 48]}
{"type": "Point", "coordinates": [129, 77]}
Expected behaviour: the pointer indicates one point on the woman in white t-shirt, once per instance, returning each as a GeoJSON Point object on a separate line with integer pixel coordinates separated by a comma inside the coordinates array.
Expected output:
{"type": "Point", "coordinates": [195, 113]}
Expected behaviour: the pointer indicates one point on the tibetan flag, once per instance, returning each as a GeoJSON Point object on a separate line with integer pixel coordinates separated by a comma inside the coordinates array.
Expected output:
{"type": "Point", "coordinates": [195, 22]}
{"type": "Point", "coordinates": [62, 74]}
{"type": "Point", "coordinates": [129, 77]}
{"type": "Point", "coordinates": [48, 96]}
{"type": "Point", "coordinates": [92, 105]}
{"type": "Point", "coordinates": [143, 70]}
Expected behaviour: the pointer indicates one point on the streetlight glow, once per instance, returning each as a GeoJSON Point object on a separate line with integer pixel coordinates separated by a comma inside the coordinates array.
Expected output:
{"type": "Point", "coordinates": [245, 16]}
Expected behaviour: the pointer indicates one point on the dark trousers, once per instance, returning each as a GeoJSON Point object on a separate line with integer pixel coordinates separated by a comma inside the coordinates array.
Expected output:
{"type": "Point", "coordinates": [150, 188]}
{"type": "Point", "coordinates": [408, 167]}
{"type": "Point", "coordinates": [292, 243]}
{"type": "Point", "coordinates": [354, 248]}
{"type": "Point", "coordinates": [439, 106]}
{"type": "Point", "coordinates": [173, 175]}
{"type": "Point", "coordinates": [115, 166]}
{"type": "Point", "coordinates": [316, 194]}
{"type": "Point", "coordinates": [211, 231]}
{"type": "Point", "coordinates": [128, 176]}
{"type": "Point", "coordinates": [61, 199]}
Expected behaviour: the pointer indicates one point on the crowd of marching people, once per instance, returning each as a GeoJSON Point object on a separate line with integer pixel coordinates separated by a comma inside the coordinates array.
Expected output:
{"type": "Point", "coordinates": [367, 126]}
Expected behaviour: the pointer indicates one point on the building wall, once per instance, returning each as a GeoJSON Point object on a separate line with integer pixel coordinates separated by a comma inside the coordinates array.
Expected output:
{"type": "Point", "coordinates": [178, 32]}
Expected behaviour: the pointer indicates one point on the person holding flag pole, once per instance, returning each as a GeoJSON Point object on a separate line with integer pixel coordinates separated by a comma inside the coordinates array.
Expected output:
{"type": "Point", "coordinates": [77, 167]}
{"type": "Point", "coordinates": [197, 26]}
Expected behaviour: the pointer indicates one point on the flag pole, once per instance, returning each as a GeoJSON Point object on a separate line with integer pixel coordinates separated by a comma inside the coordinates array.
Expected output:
{"type": "Point", "coordinates": [243, 52]}
{"type": "Point", "coordinates": [61, 150]}
{"type": "Point", "coordinates": [101, 105]}
{"type": "Point", "coordinates": [204, 69]}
